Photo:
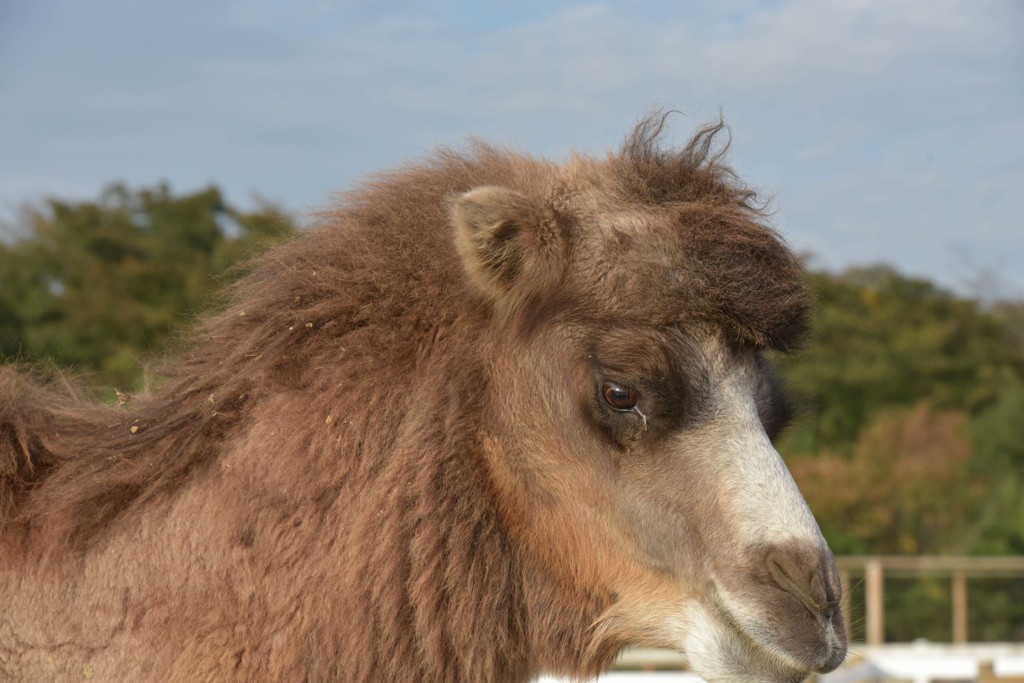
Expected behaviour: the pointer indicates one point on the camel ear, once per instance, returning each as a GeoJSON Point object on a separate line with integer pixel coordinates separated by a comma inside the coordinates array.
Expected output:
{"type": "Point", "coordinates": [509, 244]}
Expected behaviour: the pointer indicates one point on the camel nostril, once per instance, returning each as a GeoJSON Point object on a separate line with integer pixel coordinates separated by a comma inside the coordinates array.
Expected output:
{"type": "Point", "coordinates": [800, 574]}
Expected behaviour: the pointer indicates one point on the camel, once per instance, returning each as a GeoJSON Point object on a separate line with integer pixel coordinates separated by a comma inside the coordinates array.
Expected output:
{"type": "Point", "coordinates": [492, 417]}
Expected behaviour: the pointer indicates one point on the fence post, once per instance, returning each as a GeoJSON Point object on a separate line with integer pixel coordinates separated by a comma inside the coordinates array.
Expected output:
{"type": "Point", "coordinates": [959, 607]}
{"type": "Point", "coordinates": [874, 607]}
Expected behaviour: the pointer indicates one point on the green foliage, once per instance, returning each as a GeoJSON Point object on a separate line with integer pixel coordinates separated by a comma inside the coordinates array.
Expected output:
{"type": "Point", "coordinates": [904, 488]}
{"type": "Point", "coordinates": [997, 526]}
{"type": "Point", "coordinates": [912, 398]}
{"type": "Point", "coordinates": [100, 286]}
{"type": "Point", "coordinates": [912, 437]}
{"type": "Point", "coordinates": [883, 340]}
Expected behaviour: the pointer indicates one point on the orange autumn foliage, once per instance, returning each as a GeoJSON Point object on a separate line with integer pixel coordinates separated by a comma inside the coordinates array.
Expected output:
{"type": "Point", "coordinates": [904, 489]}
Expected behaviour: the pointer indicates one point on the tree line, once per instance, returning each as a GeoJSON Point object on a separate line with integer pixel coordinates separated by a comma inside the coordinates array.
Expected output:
{"type": "Point", "coordinates": [910, 430]}
{"type": "Point", "coordinates": [101, 287]}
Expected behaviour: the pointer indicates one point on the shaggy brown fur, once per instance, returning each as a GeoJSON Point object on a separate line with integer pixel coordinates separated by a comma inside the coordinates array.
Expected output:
{"type": "Point", "coordinates": [312, 494]}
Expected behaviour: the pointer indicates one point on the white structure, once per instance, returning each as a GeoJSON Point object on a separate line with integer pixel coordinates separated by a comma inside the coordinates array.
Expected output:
{"type": "Point", "coordinates": [920, 662]}
{"type": "Point", "coordinates": [924, 662]}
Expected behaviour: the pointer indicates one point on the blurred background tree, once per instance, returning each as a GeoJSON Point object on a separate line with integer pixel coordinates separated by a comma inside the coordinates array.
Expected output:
{"type": "Point", "coordinates": [912, 397]}
{"type": "Point", "coordinates": [911, 439]}
{"type": "Point", "coordinates": [101, 286]}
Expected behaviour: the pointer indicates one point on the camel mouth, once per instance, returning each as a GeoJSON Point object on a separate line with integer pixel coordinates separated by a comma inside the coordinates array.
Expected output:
{"type": "Point", "coordinates": [823, 653]}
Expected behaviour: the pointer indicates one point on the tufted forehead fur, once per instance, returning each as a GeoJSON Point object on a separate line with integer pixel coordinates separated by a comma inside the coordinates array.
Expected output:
{"type": "Point", "coordinates": [651, 233]}
{"type": "Point", "coordinates": [725, 265]}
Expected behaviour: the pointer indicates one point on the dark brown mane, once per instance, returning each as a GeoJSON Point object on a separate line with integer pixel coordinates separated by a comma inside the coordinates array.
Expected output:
{"type": "Point", "coordinates": [653, 172]}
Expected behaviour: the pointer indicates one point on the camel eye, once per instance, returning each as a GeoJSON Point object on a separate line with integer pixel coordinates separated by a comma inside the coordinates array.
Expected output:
{"type": "Point", "coordinates": [618, 396]}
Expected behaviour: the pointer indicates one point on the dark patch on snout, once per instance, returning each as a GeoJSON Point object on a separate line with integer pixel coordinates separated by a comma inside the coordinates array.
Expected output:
{"type": "Point", "coordinates": [774, 402]}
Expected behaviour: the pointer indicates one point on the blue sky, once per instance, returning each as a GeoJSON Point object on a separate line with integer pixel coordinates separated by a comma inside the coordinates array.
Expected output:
{"type": "Point", "coordinates": [886, 131]}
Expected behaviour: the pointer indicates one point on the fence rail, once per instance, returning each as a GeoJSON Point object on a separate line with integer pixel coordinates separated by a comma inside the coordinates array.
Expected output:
{"type": "Point", "coordinates": [875, 568]}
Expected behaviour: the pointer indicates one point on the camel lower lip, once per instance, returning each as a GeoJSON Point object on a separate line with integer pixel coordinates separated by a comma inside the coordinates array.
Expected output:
{"type": "Point", "coordinates": [824, 663]}
{"type": "Point", "coordinates": [835, 657]}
